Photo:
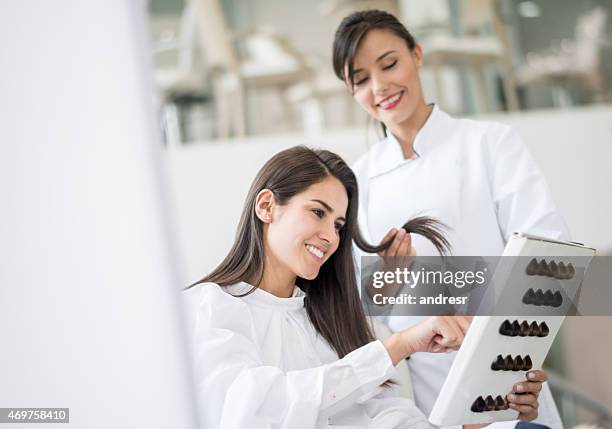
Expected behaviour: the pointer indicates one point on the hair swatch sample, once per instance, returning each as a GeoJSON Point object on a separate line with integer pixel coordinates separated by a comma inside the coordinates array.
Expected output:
{"type": "Point", "coordinates": [489, 403]}
{"type": "Point", "coordinates": [512, 364]}
{"type": "Point", "coordinates": [558, 270]}
{"type": "Point", "coordinates": [548, 298]}
{"type": "Point", "coordinates": [513, 329]}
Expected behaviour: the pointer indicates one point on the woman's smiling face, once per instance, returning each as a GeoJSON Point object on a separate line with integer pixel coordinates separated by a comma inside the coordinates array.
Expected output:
{"type": "Point", "coordinates": [386, 81]}
{"type": "Point", "coordinates": [304, 233]}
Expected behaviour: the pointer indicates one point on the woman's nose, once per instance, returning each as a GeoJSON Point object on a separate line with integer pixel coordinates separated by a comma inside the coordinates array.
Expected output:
{"type": "Point", "coordinates": [379, 86]}
{"type": "Point", "coordinates": [328, 234]}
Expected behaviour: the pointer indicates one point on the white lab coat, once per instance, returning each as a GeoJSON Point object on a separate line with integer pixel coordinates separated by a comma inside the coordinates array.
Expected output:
{"type": "Point", "coordinates": [479, 179]}
{"type": "Point", "coordinates": [260, 364]}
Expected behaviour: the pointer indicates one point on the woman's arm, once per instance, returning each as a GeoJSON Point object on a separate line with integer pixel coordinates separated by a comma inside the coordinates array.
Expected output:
{"type": "Point", "coordinates": [238, 390]}
{"type": "Point", "coordinates": [521, 194]}
{"type": "Point", "coordinates": [437, 334]}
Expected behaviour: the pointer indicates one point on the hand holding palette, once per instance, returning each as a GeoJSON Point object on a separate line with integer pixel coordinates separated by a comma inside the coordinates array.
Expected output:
{"type": "Point", "coordinates": [533, 290]}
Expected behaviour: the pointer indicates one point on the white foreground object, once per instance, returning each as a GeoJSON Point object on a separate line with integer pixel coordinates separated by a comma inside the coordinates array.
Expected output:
{"type": "Point", "coordinates": [89, 291]}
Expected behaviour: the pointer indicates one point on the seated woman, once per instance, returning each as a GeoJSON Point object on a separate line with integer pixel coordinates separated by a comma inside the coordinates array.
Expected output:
{"type": "Point", "coordinates": [281, 337]}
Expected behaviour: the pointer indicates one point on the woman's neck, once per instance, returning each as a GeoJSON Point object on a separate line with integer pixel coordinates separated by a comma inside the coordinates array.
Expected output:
{"type": "Point", "coordinates": [275, 280]}
{"type": "Point", "coordinates": [405, 132]}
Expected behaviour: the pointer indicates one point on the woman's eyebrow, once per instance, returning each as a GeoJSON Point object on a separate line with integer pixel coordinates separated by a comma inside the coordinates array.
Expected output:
{"type": "Point", "coordinates": [384, 55]}
{"type": "Point", "coordinates": [377, 60]}
{"type": "Point", "coordinates": [328, 208]}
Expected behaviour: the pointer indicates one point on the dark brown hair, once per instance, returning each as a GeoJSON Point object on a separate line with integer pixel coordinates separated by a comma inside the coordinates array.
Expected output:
{"type": "Point", "coordinates": [333, 294]}
{"type": "Point", "coordinates": [351, 32]}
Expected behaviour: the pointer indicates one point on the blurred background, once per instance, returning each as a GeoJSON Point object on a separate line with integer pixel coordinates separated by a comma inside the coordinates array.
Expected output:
{"type": "Point", "coordinates": [239, 80]}
{"type": "Point", "coordinates": [258, 67]}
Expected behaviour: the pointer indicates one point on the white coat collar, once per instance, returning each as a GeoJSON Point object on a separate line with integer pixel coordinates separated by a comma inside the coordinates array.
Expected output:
{"type": "Point", "coordinates": [387, 155]}
{"type": "Point", "coordinates": [262, 298]}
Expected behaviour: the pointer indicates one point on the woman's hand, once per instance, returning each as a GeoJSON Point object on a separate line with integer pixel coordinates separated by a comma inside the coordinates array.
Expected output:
{"type": "Point", "coordinates": [437, 334]}
{"type": "Point", "coordinates": [400, 254]}
{"type": "Point", "coordinates": [524, 396]}
{"type": "Point", "coordinates": [526, 402]}
{"type": "Point", "coordinates": [401, 245]}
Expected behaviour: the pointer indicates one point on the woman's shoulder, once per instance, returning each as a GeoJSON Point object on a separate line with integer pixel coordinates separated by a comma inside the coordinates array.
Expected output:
{"type": "Point", "coordinates": [488, 140]}
{"type": "Point", "coordinates": [217, 306]}
{"type": "Point", "coordinates": [361, 167]}
{"type": "Point", "coordinates": [220, 296]}
{"type": "Point", "coordinates": [489, 128]}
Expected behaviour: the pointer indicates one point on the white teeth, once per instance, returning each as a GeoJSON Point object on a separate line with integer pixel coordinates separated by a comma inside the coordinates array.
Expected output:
{"type": "Point", "coordinates": [314, 251]}
{"type": "Point", "coordinates": [391, 100]}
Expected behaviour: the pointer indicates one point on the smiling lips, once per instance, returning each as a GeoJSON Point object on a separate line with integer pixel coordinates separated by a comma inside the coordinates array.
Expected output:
{"type": "Point", "coordinates": [391, 101]}
{"type": "Point", "coordinates": [318, 253]}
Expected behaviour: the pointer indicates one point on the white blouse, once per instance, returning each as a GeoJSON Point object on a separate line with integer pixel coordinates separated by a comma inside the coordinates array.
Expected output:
{"type": "Point", "coordinates": [259, 363]}
{"type": "Point", "coordinates": [479, 179]}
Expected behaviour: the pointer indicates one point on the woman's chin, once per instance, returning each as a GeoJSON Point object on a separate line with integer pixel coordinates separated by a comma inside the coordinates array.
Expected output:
{"type": "Point", "coordinates": [394, 118]}
{"type": "Point", "coordinates": [309, 274]}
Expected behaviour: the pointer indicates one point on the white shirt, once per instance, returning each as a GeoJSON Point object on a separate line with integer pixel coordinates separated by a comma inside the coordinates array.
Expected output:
{"type": "Point", "coordinates": [479, 179]}
{"type": "Point", "coordinates": [260, 364]}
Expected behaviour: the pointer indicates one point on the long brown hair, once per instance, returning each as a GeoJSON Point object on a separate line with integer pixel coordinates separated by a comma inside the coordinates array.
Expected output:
{"type": "Point", "coordinates": [333, 294]}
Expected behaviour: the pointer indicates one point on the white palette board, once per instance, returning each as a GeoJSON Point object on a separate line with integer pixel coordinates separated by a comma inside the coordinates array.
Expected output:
{"type": "Point", "coordinates": [471, 374]}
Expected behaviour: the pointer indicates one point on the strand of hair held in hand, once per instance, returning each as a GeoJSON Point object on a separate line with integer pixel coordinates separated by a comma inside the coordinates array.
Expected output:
{"type": "Point", "coordinates": [428, 227]}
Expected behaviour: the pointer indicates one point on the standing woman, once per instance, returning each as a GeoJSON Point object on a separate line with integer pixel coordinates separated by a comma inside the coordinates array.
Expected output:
{"type": "Point", "coordinates": [476, 177]}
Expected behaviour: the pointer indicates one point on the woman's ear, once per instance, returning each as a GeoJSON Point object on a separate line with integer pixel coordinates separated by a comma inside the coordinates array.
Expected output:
{"type": "Point", "coordinates": [264, 205]}
{"type": "Point", "coordinates": [417, 54]}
